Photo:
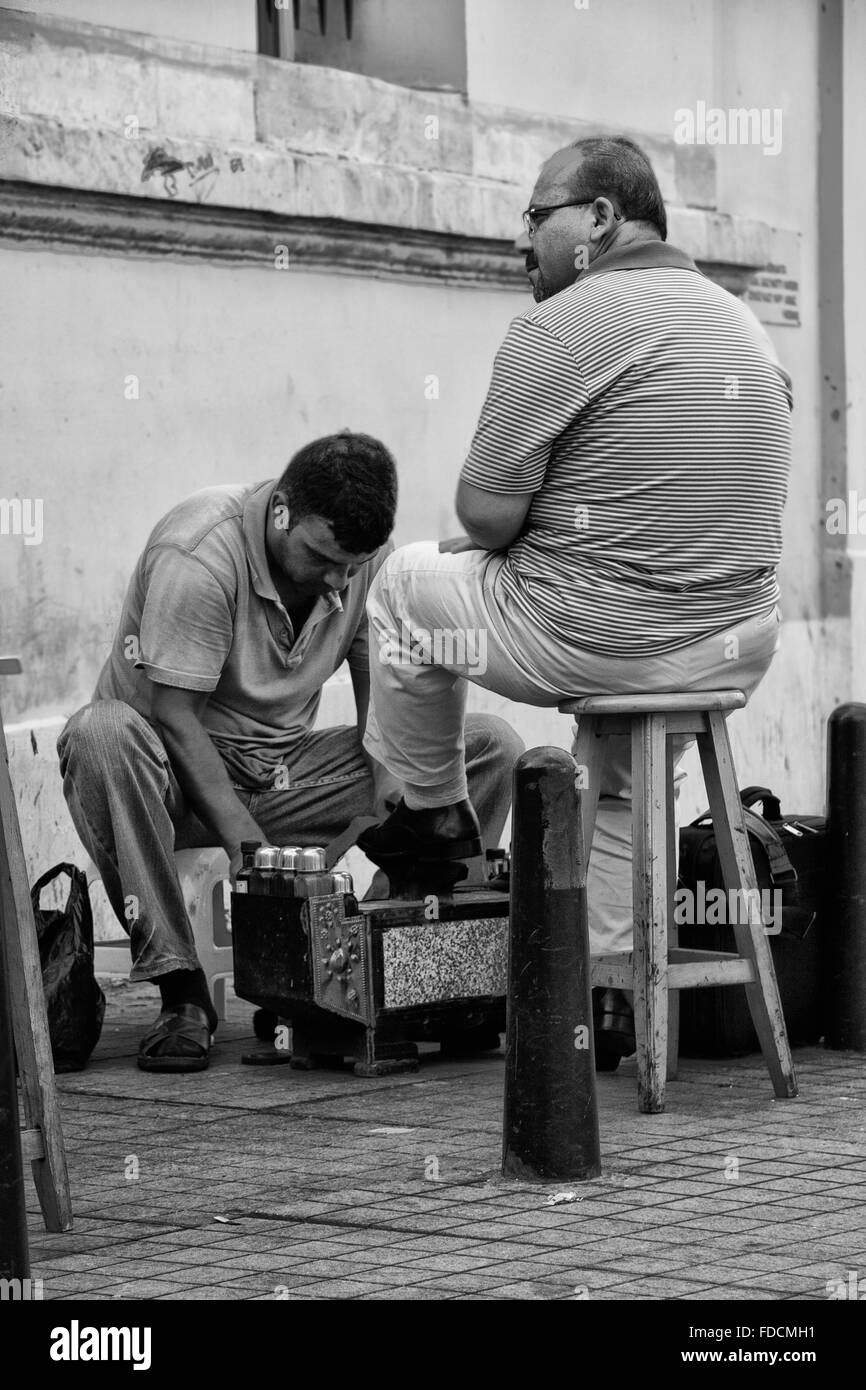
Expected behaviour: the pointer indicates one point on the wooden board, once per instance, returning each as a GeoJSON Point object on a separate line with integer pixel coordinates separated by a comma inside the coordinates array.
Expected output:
{"type": "Point", "coordinates": [42, 1136]}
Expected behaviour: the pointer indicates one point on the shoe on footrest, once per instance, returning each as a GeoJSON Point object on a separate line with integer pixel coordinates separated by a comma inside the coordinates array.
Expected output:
{"type": "Point", "coordinates": [425, 836]}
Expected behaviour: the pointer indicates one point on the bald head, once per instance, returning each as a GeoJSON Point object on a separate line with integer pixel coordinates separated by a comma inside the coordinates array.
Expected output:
{"type": "Point", "coordinates": [604, 166]}
{"type": "Point", "coordinates": [559, 174]}
{"type": "Point", "coordinates": [589, 197]}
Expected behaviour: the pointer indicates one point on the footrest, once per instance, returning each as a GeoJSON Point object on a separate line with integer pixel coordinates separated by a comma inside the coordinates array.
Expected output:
{"type": "Point", "coordinates": [700, 969]}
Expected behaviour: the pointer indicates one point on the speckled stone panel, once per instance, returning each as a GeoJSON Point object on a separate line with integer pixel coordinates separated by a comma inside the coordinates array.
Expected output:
{"type": "Point", "coordinates": [444, 960]}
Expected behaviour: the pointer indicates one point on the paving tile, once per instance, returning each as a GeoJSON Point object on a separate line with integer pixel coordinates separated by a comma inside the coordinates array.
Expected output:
{"type": "Point", "coordinates": [730, 1294]}
{"type": "Point", "coordinates": [384, 1278]}
{"type": "Point", "coordinates": [411, 1295]}
{"type": "Point", "coordinates": [212, 1294]}
{"type": "Point", "coordinates": [793, 1281]}
{"type": "Point", "coordinates": [455, 1264]}
{"type": "Point", "coordinates": [336, 1288]}
{"type": "Point", "coordinates": [83, 1283]}
{"type": "Point", "coordinates": [140, 1288]}
{"type": "Point", "coordinates": [145, 1268]}
{"type": "Point", "coordinates": [658, 1287]}
{"type": "Point", "coordinates": [661, 1223]}
{"type": "Point", "coordinates": [522, 1291]}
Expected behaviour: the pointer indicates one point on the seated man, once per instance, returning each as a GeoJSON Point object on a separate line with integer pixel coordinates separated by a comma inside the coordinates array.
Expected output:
{"type": "Point", "coordinates": [244, 601]}
{"type": "Point", "coordinates": [623, 502]}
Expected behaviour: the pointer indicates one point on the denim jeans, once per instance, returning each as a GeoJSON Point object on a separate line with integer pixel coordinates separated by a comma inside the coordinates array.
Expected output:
{"type": "Point", "coordinates": [453, 605]}
{"type": "Point", "coordinates": [131, 816]}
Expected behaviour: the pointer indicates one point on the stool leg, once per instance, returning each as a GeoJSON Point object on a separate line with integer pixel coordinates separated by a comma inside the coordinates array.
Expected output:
{"type": "Point", "coordinates": [589, 750]}
{"type": "Point", "coordinates": [218, 995]}
{"type": "Point", "coordinates": [650, 892]}
{"type": "Point", "coordinates": [672, 842]}
{"type": "Point", "coordinates": [735, 853]}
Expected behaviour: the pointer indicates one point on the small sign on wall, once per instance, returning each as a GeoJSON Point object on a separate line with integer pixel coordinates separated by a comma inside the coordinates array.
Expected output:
{"type": "Point", "coordinates": [774, 291]}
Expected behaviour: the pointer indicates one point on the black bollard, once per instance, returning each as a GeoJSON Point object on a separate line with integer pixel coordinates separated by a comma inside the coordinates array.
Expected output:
{"type": "Point", "coordinates": [844, 926]}
{"type": "Point", "coordinates": [550, 1128]}
{"type": "Point", "coordinates": [14, 1254]}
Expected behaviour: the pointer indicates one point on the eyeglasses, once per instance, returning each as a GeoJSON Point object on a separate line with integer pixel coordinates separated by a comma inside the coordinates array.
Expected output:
{"type": "Point", "coordinates": [533, 214]}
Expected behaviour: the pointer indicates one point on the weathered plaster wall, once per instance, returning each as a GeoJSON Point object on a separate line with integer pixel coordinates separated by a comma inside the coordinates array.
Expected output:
{"type": "Point", "coordinates": [224, 23]}
{"type": "Point", "coordinates": [234, 369]}
{"type": "Point", "coordinates": [236, 362]}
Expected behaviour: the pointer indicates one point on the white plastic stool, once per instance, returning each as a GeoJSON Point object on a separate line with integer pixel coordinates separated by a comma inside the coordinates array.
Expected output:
{"type": "Point", "coordinates": [204, 881]}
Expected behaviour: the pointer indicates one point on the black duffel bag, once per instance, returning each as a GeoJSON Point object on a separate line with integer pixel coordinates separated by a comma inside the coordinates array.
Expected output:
{"type": "Point", "coordinates": [74, 1001]}
{"type": "Point", "coordinates": [789, 854]}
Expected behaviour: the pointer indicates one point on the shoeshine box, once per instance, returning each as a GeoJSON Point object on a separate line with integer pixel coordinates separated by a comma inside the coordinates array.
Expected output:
{"type": "Point", "coordinates": [371, 985]}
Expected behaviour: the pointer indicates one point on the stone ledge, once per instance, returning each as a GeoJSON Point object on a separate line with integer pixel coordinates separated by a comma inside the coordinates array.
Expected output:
{"type": "Point", "coordinates": [69, 219]}
{"type": "Point", "coordinates": [236, 153]}
{"type": "Point", "coordinates": [88, 76]}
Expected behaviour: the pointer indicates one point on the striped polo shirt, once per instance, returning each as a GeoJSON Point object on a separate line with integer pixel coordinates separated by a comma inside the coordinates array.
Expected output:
{"type": "Point", "coordinates": [645, 410]}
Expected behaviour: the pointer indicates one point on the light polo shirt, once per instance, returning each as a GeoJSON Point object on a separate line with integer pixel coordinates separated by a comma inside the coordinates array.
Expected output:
{"type": "Point", "coordinates": [201, 613]}
{"type": "Point", "coordinates": [645, 410]}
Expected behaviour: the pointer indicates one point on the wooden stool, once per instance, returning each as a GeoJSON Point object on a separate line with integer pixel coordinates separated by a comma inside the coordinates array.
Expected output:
{"type": "Point", "coordinates": [657, 965]}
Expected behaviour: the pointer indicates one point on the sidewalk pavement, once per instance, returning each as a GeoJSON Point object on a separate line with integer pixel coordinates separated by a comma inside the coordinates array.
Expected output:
{"type": "Point", "coordinates": [268, 1183]}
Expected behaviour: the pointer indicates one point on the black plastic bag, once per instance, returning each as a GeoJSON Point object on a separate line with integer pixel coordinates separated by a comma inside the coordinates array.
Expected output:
{"type": "Point", "coordinates": [73, 999]}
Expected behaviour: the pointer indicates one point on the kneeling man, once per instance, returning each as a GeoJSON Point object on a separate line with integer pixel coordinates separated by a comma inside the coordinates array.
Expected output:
{"type": "Point", "coordinates": [200, 732]}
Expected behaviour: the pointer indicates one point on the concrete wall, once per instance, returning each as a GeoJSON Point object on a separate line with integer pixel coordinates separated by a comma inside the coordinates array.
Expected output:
{"type": "Point", "coordinates": [224, 23]}
{"type": "Point", "coordinates": [234, 370]}
{"type": "Point", "coordinates": [235, 365]}
{"type": "Point", "coordinates": [622, 65]}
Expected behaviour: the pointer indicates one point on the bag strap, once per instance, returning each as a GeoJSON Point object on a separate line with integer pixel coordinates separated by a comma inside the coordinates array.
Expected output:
{"type": "Point", "coordinates": [770, 803]}
{"type": "Point", "coordinates": [781, 869]}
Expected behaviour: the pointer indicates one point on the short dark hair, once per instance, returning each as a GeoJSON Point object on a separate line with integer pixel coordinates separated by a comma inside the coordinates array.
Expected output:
{"type": "Point", "coordinates": [351, 481]}
{"type": "Point", "coordinates": [616, 168]}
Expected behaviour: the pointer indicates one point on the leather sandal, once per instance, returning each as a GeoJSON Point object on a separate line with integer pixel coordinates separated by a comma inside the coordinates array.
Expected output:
{"type": "Point", "coordinates": [183, 1033]}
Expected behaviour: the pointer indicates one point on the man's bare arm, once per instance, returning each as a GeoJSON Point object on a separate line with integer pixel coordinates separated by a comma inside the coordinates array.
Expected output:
{"type": "Point", "coordinates": [492, 519]}
{"type": "Point", "coordinates": [199, 769]}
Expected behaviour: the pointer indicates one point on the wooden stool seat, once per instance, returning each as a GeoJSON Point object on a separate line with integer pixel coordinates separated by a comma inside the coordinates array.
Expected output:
{"type": "Point", "coordinates": [672, 703]}
{"type": "Point", "coordinates": [657, 968]}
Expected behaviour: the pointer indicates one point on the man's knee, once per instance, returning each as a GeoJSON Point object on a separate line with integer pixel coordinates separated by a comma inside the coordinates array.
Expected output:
{"type": "Point", "coordinates": [494, 739]}
{"type": "Point", "coordinates": [402, 560]}
{"type": "Point", "coordinates": [98, 736]}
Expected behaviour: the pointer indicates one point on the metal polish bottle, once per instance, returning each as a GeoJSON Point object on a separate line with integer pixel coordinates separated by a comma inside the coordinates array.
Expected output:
{"type": "Point", "coordinates": [290, 863]}
{"type": "Point", "coordinates": [313, 879]}
{"type": "Point", "coordinates": [264, 878]}
{"type": "Point", "coordinates": [343, 884]}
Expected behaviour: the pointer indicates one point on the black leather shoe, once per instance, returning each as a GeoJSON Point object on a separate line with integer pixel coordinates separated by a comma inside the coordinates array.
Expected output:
{"type": "Point", "coordinates": [613, 1028]}
{"type": "Point", "coordinates": [426, 836]}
